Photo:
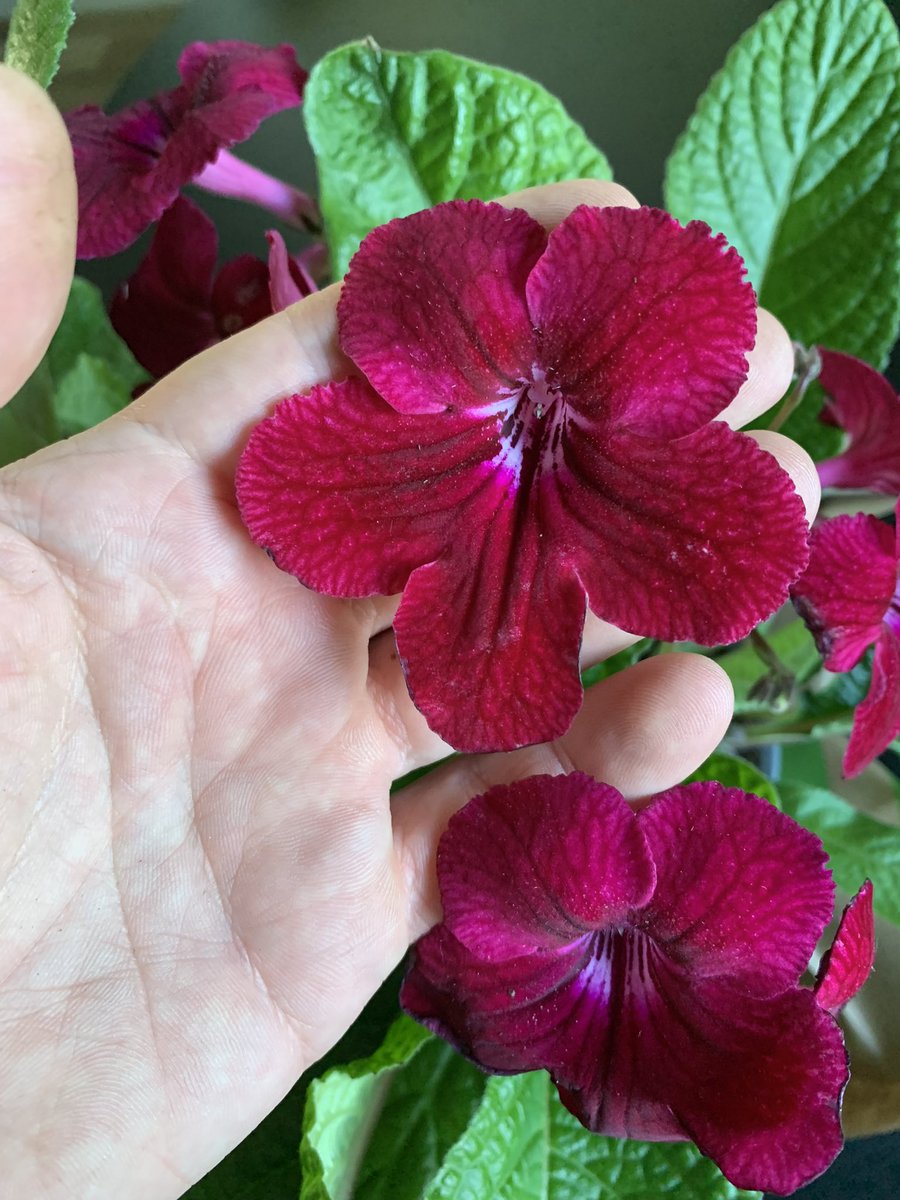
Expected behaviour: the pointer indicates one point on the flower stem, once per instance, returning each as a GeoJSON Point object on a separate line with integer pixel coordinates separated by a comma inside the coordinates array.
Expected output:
{"type": "Point", "coordinates": [229, 175]}
{"type": "Point", "coordinates": [807, 365]}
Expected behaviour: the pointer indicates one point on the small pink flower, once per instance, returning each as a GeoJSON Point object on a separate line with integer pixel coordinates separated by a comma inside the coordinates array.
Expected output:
{"type": "Point", "coordinates": [176, 304]}
{"type": "Point", "coordinates": [650, 962]}
{"type": "Point", "coordinates": [131, 165]}
{"type": "Point", "coordinates": [532, 432]}
{"type": "Point", "coordinates": [863, 403]}
{"type": "Point", "coordinates": [849, 597]}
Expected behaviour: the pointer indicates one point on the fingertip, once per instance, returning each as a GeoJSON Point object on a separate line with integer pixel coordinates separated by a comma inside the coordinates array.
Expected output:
{"type": "Point", "coordinates": [38, 212]}
{"type": "Point", "coordinates": [798, 464]}
{"type": "Point", "coordinates": [550, 203]}
{"type": "Point", "coordinates": [770, 370]}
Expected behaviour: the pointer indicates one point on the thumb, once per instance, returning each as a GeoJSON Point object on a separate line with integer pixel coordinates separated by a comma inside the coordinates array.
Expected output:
{"type": "Point", "coordinates": [38, 218]}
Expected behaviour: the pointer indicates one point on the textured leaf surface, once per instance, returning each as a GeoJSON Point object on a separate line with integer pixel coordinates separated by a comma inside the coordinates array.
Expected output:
{"type": "Point", "coordinates": [523, 1145]}
{"type": "Point", "coordinates": [38, 31]}
{"type": "Point", "coordinates": [794, 153]}
{"type": "Point", "coordinates": [394, 133]}
{"type": "Point", "coordinates": [739, 773]}
{"type": "Point", "coordinates": [859, 847]}
{"type": "Point", "coordinates": [87, 374]}
{"type": "Point", "coordinates": [380, 1127]}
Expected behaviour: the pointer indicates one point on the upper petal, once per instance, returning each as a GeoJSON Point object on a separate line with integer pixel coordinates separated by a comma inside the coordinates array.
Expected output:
{"type": "Point", "coordinates": [862, 402]}
{"type": "Point", "coordinates": [695, 540]}
{"type": "Point", "coordinates": [848, 962]}
{"type": "Point", "coordinates": [238, 84]}
{"type": "Point", "coordinates": [742, 889]}
{"type": "Point", "coordinates": [164, 311]}
{"type": "Point", "coordinates": [351, 496]}
{"type": "Point", "coordinates": [566, 857]}
{"type": "Point", "coordinates": [644, 325]}
{"type": "Point", "coordinates": [489, 634]}
{"type": "Point", "coordinates": [844, 593]}
{"type": "Point", "coordinates": [433, 307]}
{"type": "Point", "coordinates": [876, 721]}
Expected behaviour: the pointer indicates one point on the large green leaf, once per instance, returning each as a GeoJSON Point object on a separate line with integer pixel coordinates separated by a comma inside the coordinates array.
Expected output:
{"type": "Point", "coordinates": [394, 133]}
{"type": "Point", "coordinates": [859, 847]}
{"type": "Point", "coordinates": [38, 30]}
{"type": "Point", "coordinates": [87, 374]}
{"type": "Point", "coordinates": [523, 1145]}
{"type": "Point", "coordinates": [380, 1127]}
{"type": "Point", "coordinates": [794, 152]}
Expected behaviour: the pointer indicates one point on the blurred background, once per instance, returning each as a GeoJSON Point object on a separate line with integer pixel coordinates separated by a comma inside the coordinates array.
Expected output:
{"type": "Point", "coordinates": [629, 71]}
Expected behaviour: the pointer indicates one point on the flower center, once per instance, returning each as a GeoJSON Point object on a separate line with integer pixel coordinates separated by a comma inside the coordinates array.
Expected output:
{"type": "Point", "coordinates": [532, 430]}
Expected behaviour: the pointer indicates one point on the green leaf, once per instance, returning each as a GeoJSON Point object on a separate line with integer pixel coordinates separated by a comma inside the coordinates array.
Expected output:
{"type": "Point", "coordinates": [394, 133]}
{"type": "Point", "coordinates": [794, 152]}
{"type": "Point", "coordinates": [522, 1144]}
{"type": "Point", "coordinates": [737, 772]}
{"type": "Point", "coordinates": [859, 846]}
{"type": "Point", "coordinates": [38, 31]}
{"type": "Point", "coordinates": [87, 374]}
{"type": "Point", "coordinates": [381, 1126]}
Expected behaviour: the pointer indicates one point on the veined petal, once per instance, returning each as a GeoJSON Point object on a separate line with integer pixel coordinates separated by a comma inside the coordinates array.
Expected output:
{"type": "Point", "coordinates": [848, 962]}
{"type": "Point", "coordinates": [566, 856]}
{"type": "Point", "coordinates": [876, 721]}
{"type": "Point", "coordinates": [863, 403]}
{"type": "Point", "coordinates": [433, 307]}
{"type": "Point", "coordinates": [164, 311]}
{"type": "Point", "coordinates": [746, 898]}
{"type": "Point", "coordinates": [644, 325]}
{"type": "Point", "coordinates": [490, 633]}
{"type": "Point", "coordinates": [757, 1083]}
{"type": "Point", "coordinates": [669, 540]}
{"type": "Point", "coordinates": [845, 592]}
{"type": "Point", "coordinates": [351, 496]}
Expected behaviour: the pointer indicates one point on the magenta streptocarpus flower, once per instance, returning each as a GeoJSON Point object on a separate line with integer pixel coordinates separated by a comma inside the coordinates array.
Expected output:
{"type": "Point", "coordinates": [131, 165]}
{"type": "Point", "coordinates": [849, 597]}
{"type": "Point", "coordinates": [650, 962]}
{"type": "Point", "coordinates": [176, 304]}
{"type": "Point", "coordinates": [862, 403]}
{"type": "Point", "coordinates": [532, 433]}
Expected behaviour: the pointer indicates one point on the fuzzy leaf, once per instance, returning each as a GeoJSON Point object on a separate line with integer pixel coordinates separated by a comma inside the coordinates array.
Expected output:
{"type": "Point", "coordinates": [381, 1126]}
{"type": "Point", "coordinates": [523, 1145]}
{"type": "Point", "coordinates": [794, 153]}
{"type": "Point", "coordinates": [394, 133]}
{"type": "Point", "coordinates": [38, 31]}
{"type": "Point", "coordinates": [859, 846]}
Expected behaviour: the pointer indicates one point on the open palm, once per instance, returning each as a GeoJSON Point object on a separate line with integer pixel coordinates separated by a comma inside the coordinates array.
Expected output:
{"type": "Point", "coordinates": [202, 876]}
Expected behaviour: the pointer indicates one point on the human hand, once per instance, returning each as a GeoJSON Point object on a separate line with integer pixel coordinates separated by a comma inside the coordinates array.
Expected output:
{"type": "Point", "coordinates": [202, 875]}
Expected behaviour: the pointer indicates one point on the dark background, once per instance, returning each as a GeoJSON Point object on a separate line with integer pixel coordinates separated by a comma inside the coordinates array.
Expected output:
{"type": "Point", "coordinates": [629, 71]}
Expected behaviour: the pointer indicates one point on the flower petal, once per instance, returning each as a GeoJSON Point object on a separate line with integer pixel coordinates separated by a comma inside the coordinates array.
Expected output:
{"type": "Point", "coordinates": [742, 889]}
{"type": "Point", "coordinates": [289, 280]}
{"type": "Point", "coordinates": [164, 311]}
{"type": "Point", "coordinates": [240, 296]}
{"type": "Point", "coordinates": [844, 593]}
{"type": "Point", "coordinates": [351, 496]}
{"type": "Point", "coordinates": [876, 721]}
{"type": "Point", "coordinates": [756, 1083]}
{"type": "Point", "coordinates": [567, 856]}
{"type": "Point", "coordinates": [644, 325]}
{"type": "Point", "coordinates": [863, 403]}
{"type": "Point", "coordinates": [699, 540]}
{"type": "Point", "coordinates": [433, 308]}
{"type": "Point", "coordinates": [490, 633]}
{"type": "Point", "coordinates": [848, 962]}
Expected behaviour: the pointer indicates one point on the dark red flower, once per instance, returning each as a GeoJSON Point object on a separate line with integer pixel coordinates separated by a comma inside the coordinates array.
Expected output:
{"type": "Point", "coordinates": [650, 962]}
{"type": "Point", "coordinates": [849, 597]}
{"type": "Point", "coordinates": [132, 165]}
{"type": "Point", "coordinates": [176, 305]}
{"type": "Point", "coordinates": [863, 403]}
{"type": "Point", "coordinates": [533, 434]}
